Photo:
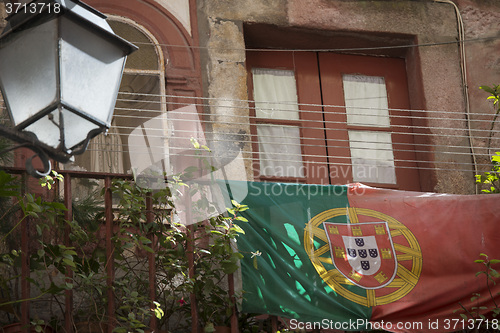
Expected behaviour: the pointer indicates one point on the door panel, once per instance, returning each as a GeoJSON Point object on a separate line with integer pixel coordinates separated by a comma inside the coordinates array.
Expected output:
{"type": "Point", "coordinates": [332, 68]}
{"type": "Point", "coordinates": [325, 128]}
{"type": "Point", "coordinates": [312, 139]}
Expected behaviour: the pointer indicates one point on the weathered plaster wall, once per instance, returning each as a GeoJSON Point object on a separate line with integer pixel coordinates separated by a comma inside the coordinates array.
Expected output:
{"type": "Point", "coordinates": [482, 29]}
{"type": "Point", "coordinates": [180, 9]}
{"type": "Point", "coordinates": [2, 14]}
{"type": "Point", "coordinates": [225, 78]}
{"type": "Point", "coordinates": [435, 70]}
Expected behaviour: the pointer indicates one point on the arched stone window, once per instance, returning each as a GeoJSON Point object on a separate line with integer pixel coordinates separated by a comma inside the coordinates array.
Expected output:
{"type": "Point", "coordinates": [163, 75]}
{"type": "Point", "coordinates": [135, 139]}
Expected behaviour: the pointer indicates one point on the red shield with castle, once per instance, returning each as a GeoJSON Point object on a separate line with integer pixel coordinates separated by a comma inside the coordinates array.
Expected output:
{"type": "Point", "coordinates": [363, 252]}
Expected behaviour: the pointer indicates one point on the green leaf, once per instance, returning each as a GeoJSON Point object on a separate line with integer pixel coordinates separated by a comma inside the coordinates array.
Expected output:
{"type": "Point", "coordinates": [238, 229]}
{"type": "Point", "coordinates": [145, 240]}
{"type": "Point", "coordinates": [159, 313]}
{"type": "Point", "coordinates": [32, 214]}
{"type": "Point", "coordinates": [70, 252]}
{"type": "Point", "coordinates": [69, 262]}
{"type": "Point", "coordinates": [229, 267]}
{"type": "Point", "coordinates": [487, 89]}
{"type": "Point", "coordinates": [464, 316]}
{"type": "Point", "coordinates": [209, 328]}
{"type": "Point", "coordinates": [238, 255]}
{"type": "Point", "coordinates": [255, 263]}
{"type": "Point", "coordinates": [120, 330]}
{"type": "Point", "coordinates": [195, 143]}
{"type": "Point", "coordinates": [148, 249]}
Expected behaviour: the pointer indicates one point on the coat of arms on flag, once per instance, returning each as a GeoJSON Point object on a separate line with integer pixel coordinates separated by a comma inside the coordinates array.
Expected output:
{"type": "Point", "coordinates": [363, 252]}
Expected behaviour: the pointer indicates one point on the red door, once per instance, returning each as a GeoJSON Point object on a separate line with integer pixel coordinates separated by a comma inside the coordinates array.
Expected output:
{"type": "Point", "coordinates": [345, 135]}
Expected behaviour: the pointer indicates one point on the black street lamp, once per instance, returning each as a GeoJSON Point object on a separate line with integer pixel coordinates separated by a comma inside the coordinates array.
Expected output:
{"type": "Point", "coordinates": [60, 70]}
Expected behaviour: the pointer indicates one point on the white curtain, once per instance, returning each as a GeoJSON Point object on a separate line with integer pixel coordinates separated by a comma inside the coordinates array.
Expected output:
{"type": "Point", "coordinates": [275, 94]}
{"type": "Point", "coordinates": [372, 157]}
{"type": "Point", "coordinates": [366, 100]}
{"type": "Point", "coordinates": [279, 151]}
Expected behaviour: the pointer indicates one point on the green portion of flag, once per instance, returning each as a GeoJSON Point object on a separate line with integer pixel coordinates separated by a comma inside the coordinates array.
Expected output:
{"type": "Point", "coordinates": [278, 277]}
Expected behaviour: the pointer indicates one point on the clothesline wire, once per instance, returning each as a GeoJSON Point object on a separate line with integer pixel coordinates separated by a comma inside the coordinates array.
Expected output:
{"type": "Point", "coordinates": [392, 111]}
{"type": "Point", "coordinates": [417, 164]}
{"type": "Point", "coordinates": [178, 140]}
{"type": "Point", "coordinates": [215, 133]}
{"type": "Point", "coordinates": [393, 129]}
{"type": "Point", "coordinates": [169, 117]}
{"type": "Point", "coordinates": [274, 109]}
{"type": "Point", "coordinates": [217, 99]}
{"type": "Point", "coordinates": [350, 49]}
{"type": "Point", "coordinates": [187, 152]}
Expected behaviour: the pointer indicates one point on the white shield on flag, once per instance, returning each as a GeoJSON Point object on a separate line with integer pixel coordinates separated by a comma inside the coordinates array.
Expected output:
{"type": "Point", "coordinates": [363, 252]}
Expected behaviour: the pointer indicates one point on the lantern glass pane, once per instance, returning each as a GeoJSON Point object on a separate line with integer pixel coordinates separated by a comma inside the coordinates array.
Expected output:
{"type": "Point", "coordinates": [91, 69]}
{"type": "Point", "coordinates": [76, 129]}
{"type": "Point", "coordinates": [47, 130]}
{"type": "Point", "coordinates": [31, 86]}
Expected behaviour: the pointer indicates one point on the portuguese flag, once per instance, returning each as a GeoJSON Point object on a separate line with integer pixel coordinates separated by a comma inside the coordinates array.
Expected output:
{"type": "Point", "coordinates": [357, 258]}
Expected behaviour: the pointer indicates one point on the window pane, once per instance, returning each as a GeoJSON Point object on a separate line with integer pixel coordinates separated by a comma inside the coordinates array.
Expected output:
{"type": "Point", "coordinates": [279, 151]}
{"type": "Point", "coordinates": [372, 157]}
{"type": "Point", "coordinates": [145, 57]}
{"type": "Point", "coordinates": [138, 118]}
{"type": "Point", "coordinates": [275, 94]}
{"type": "Point", "coordinates": [366, 100]}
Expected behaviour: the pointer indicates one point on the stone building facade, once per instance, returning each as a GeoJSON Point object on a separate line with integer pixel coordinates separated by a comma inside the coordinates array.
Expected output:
{"type": "Point", "coordinates": [206, 54]}
{"type": "Point", "coordinates": [437, 70]}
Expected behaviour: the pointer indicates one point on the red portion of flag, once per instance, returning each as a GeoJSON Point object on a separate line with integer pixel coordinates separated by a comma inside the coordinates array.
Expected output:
{"type": "Point", "coordinates": [436, 264]}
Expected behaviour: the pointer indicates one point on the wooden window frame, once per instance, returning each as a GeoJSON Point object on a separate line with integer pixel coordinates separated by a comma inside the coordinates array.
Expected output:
{"type": "Point", "coordinates": [317, 76]}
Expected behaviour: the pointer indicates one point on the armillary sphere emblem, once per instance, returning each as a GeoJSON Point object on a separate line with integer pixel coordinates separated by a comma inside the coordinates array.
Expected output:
{"type": "Point", "coordinates": [369, 263]}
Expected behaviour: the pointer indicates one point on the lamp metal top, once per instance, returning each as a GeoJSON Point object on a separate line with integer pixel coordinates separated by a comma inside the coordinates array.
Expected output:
{"type": "Point", "coordinates": [75, 10]}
